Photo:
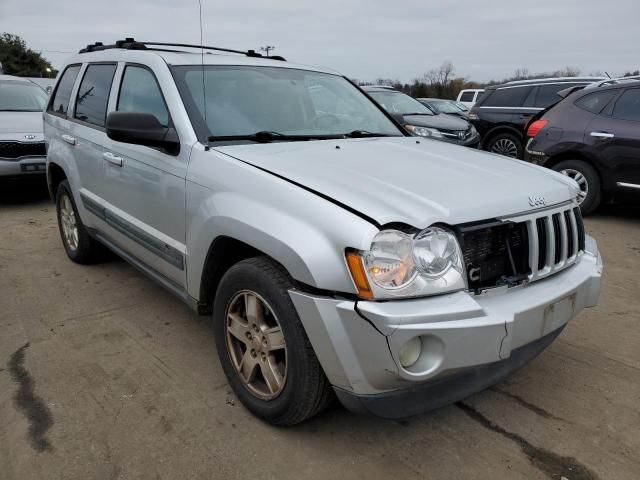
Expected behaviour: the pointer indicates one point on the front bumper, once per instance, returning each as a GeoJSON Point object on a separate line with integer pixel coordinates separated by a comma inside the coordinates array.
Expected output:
{"type": "Point", "coordinates": [469, 342]}
{"type": "Point", "coordinates": [25, 166]}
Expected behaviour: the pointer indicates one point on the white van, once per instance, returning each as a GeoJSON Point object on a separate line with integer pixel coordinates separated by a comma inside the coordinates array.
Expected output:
{"type": "Point", "coordinates": [469, 97]}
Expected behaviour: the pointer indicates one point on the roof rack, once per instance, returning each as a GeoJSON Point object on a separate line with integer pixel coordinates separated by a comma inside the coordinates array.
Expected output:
{"type": "Point", "coordinates": [131, 44]}
{"type": "Point", "coordinates": [613, 81]}
{"type": "Point", "coordinates": [552, 79]}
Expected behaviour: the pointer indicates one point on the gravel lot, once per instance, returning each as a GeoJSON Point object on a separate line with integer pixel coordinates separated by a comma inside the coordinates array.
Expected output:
{"type": "Point", "coordinates": [103, 375]}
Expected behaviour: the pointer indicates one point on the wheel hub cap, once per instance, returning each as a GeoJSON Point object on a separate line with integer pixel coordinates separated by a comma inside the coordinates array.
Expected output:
{"type": "Point", "coordinates": [68, 223]}
{"type": "Point", "coordinates": [505, 147]}
{"type": "Point", "coordinates": [581, 180]}
{"type": "Point", "coordinates": [256, 345]}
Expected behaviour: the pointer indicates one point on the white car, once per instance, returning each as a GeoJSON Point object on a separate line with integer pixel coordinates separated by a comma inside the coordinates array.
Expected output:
{"type": "Point", "coordinates": [22, 149]}
{"type": "Point", "coordinates": [470, 96]}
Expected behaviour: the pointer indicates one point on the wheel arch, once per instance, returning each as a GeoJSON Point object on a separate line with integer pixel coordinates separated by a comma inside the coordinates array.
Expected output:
{"type": "Point", "coordinates": [55, 175]}
{"type": "Point", "coordinates": [576, 155]}
{"type": "Point", "coordinates": [499, 129]}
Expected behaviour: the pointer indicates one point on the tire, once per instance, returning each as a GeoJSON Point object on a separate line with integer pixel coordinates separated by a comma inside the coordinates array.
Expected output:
{"type": "Point", "coordinates": [304, 390]}
{"type": "Point", "coordinates": [588, 180]}
{"type": "Point", "coordinates": [506, 144]}
{"type": "Point", "coordinates": [80, 247]}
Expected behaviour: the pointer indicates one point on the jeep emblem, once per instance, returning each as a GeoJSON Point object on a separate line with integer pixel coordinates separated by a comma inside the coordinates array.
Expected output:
{"type": "Point", "coordinates": [537, 201]}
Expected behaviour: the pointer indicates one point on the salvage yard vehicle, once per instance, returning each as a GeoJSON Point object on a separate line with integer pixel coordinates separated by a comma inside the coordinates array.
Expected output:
{"type": "Point", "coordinates": [22, 149]}
{"type": "Point", "coordinates": [504, 111]}
{"type": "Point", "coordinates": [338, 255]}
{"type": "Point", "coordinates": [422, 121]}
{"type": "Point", "coordinates": [593, 136]}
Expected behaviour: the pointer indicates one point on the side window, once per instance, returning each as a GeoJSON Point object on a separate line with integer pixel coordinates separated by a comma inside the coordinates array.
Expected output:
{"type": "Point", "coordinates": [60, 102]}
{"type": "Point", "coordinates": [93, 94]}
{"type": "Point", "coordinates": [548, 94]}
{"type": "Point", "coordinates": [507, 97]}
{"type": "Point", "coordinates": [595, 102]}
{"type": "Point", "coordinates": [140, 92]}
{"type": "Point", "coordinates": [466, 97]}
{"type": "Point", "coordinates": [628, 106]}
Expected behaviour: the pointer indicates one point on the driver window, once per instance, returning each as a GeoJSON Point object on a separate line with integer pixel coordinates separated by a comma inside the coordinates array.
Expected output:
{"type": "Point", "coordinates": [139, 92]}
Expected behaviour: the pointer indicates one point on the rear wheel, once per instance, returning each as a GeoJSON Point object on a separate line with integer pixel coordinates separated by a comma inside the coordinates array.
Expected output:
{"type": "Point", "coordinates": [77, 242]}
{"type": "Point", "coordinates": [587, 178]}
{"type": "Point", "coordinates": [264, 350]}
{"type": "Point", "coordinates": [506, 144]}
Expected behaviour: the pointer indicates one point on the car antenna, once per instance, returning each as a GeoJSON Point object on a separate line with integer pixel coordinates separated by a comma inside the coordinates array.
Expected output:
{"type": "Point", "coordinates": [204, 87]}
{"type": "Point", "coordinates": [607, 74]}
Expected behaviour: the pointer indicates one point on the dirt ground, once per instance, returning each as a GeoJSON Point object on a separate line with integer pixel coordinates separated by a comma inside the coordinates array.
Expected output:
{"type": "Point", "coordinates": [103, 375]}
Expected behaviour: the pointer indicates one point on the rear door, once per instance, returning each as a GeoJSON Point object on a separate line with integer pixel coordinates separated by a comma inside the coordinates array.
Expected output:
{"type": "Point", "coordinates": [615, 137]}
{"type": "Point", "coordinates": [145, 186]}
{"type": "Point", "coordinates": [87, 132]}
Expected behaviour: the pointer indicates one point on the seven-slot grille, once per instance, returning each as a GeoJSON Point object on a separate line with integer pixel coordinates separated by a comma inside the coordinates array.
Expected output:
{"type": "Point", "coordinates": [555, 241]}
{"type": "Point", "coordinates": [17, 150]}
{"type": "Point", "coordinates": [525, 248]}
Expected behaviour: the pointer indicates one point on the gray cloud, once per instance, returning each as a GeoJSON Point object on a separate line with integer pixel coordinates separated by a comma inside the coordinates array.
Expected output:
{"type": "Point", "coordinates": [363, 39]}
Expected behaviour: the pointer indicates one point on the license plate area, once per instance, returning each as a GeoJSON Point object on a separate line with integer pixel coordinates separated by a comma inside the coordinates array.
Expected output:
{"type": "Point", "coordinates": [558, 313]}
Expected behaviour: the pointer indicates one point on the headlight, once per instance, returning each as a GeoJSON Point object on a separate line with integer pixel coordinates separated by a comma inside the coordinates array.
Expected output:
{"type": "Point", "coordinates": [401, 265]}
{"type": "Point", "coordinates": [424, 131]}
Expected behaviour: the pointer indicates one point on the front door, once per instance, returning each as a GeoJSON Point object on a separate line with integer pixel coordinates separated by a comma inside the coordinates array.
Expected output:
{"type": "Point", "coordinates": [144, 186]}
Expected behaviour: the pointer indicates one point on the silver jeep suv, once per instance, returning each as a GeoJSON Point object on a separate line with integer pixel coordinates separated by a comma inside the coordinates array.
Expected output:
{"type": "Point", "coordinates": [337, 255]}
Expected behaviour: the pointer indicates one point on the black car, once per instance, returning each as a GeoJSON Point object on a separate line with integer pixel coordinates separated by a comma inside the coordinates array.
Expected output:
{"type": "Point", "coordinates": [421, 121]}
{"type": "Point", "coordinates": [593, 136]}
{"type": "Point", "coordinates": [440, 105]}
{"type": "Point", "coordinates": [503, 112]}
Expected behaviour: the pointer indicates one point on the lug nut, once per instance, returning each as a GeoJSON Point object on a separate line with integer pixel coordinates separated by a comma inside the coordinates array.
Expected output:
{"type": "Point", "coordinates": [253, 353]}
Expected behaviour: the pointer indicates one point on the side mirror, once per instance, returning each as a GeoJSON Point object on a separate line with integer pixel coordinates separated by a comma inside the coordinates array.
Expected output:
{"type": "Point", "coordinates": [141, 129]}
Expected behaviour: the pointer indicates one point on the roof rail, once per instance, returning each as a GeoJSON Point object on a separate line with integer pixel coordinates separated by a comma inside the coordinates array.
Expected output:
{"type": "Point", "coordinates": [613, 81]}
{"type": "Point", "coordinates": [542, 79]}
{"type": "Point", "coordinates": [131, 44]}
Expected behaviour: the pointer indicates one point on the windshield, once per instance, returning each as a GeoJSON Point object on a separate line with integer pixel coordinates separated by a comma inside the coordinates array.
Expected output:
{"type": "Point", "coordinates": [444, 106]}
{"type": "Point", "coordinates": [240, 101]}
{"type": "Point", "coordinates": [396, 102]}
{"type": "Point", "coordinates": [19, 96]}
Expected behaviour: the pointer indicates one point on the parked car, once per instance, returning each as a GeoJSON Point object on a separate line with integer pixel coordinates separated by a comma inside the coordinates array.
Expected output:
{"type": "Point", "coordinates": [439, 105]}
{"type": "Point", "coordinates": [421, 121]}
{"type": "Point", "coordinates": [470, 96]}
{"type": "Point", "coordinates": [504, 111]}
{"type": "Point", "coordinates": [462, 106]}
{"type": "Point", "coordinates": [22, 149]}
{"type": "Point", "coordinates": [593, 136]}
{"type": "Point", "coordinates": [337, 254]}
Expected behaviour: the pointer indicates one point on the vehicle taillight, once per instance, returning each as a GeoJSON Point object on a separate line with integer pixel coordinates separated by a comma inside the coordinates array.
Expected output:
{"type": "Point", "coordinates": [535, 127]}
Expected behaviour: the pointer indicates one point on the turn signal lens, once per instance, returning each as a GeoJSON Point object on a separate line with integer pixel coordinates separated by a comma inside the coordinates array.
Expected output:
{"type": "Point", "coordinates": [535, 127]}
{"type": "Point", "coordinates": [359, 276]}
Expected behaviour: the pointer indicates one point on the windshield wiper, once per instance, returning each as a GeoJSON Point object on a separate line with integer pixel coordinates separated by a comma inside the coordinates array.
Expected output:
{"type": "Point", "coordinates": [266, 137]}
{"type": "Point", "coordinates": [366, 134]}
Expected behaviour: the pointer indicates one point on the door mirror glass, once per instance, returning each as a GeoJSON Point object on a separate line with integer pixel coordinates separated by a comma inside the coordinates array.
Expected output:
{"type": "Point", "coordinates": [141, 129]}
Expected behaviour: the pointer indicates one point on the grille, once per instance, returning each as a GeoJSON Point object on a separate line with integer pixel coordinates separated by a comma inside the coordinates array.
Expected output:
{"type": "Point", "coordinates": [17, 150]}
{"type": "Point", "coordinates": [556, 240]}
{"type": "Point", "coordinates": [507, 253]}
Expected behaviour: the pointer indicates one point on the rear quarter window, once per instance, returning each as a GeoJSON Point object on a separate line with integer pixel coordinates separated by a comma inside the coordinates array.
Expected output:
{"type": "Point", "coordinates": [60, 101]}
{"type": "Point", "coordinates": [507, 97]}
{"type": "Point", "coordinates": [548, 94]}
{"type": "Point", "coordinates": [595, 102]}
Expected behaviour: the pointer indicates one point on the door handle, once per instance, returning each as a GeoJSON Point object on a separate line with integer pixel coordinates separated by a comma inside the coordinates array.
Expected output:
{"type": "Point", "coordinates": [602, 135]}
{"type": "Point", "coordinates": [113, 159]}
{"type": "Point", "coordinates": [69, 139]}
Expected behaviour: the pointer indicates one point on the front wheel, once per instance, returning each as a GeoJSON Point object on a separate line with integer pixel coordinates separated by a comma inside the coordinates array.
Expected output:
{"type": "Point", "coordinates": [507, 145]}
{"type": "Point", "coordinates": [264, 350]}
{"type": "Point", "coordinates": [590, 194]}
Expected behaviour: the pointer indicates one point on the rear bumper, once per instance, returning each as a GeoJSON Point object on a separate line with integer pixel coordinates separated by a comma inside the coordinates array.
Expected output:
{"type": "Point", "coordinates": [468, 342]}
{"type": "Point", "coordinates": [26, 166]}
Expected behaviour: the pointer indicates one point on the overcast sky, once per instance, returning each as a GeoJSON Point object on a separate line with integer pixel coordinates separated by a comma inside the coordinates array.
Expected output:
{"type": "Point", "coordinates": [362, 39]}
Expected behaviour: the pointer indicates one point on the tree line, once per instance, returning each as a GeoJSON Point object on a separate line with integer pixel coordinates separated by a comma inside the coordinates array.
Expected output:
{"type": "Point", "coordinates": [442, 82]}
{"type": "Point", "coordinates": [19, 60]}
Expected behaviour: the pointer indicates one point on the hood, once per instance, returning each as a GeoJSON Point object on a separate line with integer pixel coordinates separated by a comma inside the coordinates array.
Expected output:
{"type": "Point", "coordinates": [417, 182]}
{"type": "Point", "coordinates": [442, 121]}
{"type": "Point", "coordinates": [15, 125]}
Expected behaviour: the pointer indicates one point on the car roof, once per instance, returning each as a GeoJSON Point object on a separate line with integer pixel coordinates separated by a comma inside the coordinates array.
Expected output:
{"type": "Point", "coordinates": [178, 57]}
{"type": "Point", "coordinates": [542, 81]}
{"type": "Point", "coordinates": [379, 88]}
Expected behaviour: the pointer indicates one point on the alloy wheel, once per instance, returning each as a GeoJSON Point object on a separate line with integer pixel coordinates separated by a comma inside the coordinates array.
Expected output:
{"type": "Point", "coordinates": [506, 147]}
{"type": "Point", "coordinates": [581, 180]}
{"type": "Point", "coordinates": [256, 345]}
{"type": "Point", "coordinates": [68, 223]}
